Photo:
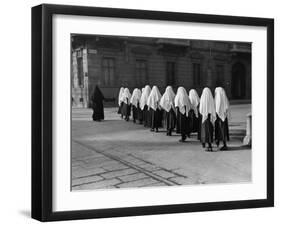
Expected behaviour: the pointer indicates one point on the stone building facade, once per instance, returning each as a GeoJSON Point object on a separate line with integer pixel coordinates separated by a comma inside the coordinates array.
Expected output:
{"type": "Point", "coordinates": [112, 62]}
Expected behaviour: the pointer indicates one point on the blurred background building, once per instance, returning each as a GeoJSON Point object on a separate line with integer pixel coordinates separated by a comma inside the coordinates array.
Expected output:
{"type": "Point", "coordinates": [115, 61]}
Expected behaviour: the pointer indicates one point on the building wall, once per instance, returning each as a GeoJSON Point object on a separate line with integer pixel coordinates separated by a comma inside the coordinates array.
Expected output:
{"type": "Point", "coordinates": [216, 60]}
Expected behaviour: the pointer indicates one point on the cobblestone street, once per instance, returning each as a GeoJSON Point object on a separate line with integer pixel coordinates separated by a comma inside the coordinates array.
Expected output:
{"type": "Point", "coordinates": [119, 154]}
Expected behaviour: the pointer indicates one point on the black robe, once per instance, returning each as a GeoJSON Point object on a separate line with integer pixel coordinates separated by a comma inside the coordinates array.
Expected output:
{"type": "Point", "coordinates": [140, 114]}
{"type": "Point", "coordinates": [135, 112]}
{"type": "Point", "coordinates": [182, 125]}
{"type": "Point", "coordinates": [156, 118]}
{"type": "Point", "coordinates": [194, 123]}
{"type": "Point", "coordinates": [207, 131]}
{"type": "Point", "coordinates": [126, 109]}
{"type": "Point", "coordinates": [120, 109]}
{"type": "Point", "coordinates": [221, 130]}
{"type": "Point", "coordinates": [169, 120]}
{"type": "Point", "coordinates": [97, 104]}
{"type": "Point", "coordinates": [146, 117]}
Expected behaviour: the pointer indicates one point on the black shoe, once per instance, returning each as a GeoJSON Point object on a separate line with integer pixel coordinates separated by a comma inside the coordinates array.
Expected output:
{"type": "Point", "coordinates": [183, 138]}
{"type": "Point", "coordinates": [224, 148]}
{"type": "Point", "coordinates": [217, 143]}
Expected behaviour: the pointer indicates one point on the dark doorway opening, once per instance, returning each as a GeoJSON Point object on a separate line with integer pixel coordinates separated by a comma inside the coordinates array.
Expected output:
{"type": "Point", "coordinates": [238, 81]}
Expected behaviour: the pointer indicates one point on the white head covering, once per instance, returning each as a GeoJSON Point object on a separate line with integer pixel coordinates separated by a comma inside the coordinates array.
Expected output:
{"type": "Point", "coordinates": [167, 100]}
{"type": "Point", "coordinates": [135, 97]}
{"type": "Point", "coordinates": [120, 95]}
{"type": "Point", "coordinates": [126, 96]}
{"type": "Point", "coordinates": [144, 96]}
{"type": "Point", "coordinates": [222, 103]}
{"type": "Point", "coordinates": [154, 98]}
{"type": "Point", "coordinates": [207, 105]}
{"type": "Point", "coordinates": [194, 100]}
{"type": "Point", "coordinates": [182, 101]}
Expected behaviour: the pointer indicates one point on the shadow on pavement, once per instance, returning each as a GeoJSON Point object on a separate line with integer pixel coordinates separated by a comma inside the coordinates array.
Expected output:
{"type": "Point", "coordinates": [237, 148]}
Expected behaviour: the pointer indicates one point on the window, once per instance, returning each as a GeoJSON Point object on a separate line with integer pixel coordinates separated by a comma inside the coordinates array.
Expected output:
{"type": "Point", "coordinates": [141, 72]}
{"type": "Point", "coordinates": [220, 75]}
{"type": "Point", "coordinates": [196, 74]}
{"type": "Point", "coordinates": [170, 73]}
{"type": "Point", "coordinates": [108, 69]}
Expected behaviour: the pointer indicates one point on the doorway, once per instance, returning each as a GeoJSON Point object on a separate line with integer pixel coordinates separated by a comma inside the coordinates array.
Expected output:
{"type": "Point", "coordinates": [238, 81]}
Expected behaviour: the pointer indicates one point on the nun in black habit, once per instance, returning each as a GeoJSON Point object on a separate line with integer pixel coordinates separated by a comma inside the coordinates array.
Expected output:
{"type": "Point", "coordinates": [208, 113]}
{"type": "Point", "coordinates": [120, 102]}
{"type": "Point", "coordinates": [97, 104]}
{"type": "Point", "coordinates": [153, 103]}
{"type": "Point", "coordinates": [222, 111]}
{"type": "Point", "coordinates": [194, 116]}
{"type": "Point", "coordinates": [126, 106]}
{"type": "Point", "coordinates": [168, 105]}
{"type": "Point", "coordinates": [183, 106]}
{"type": "Point", "coordinates": [135, 104]}
{"type": "Point", "coordinates": [144, 108]}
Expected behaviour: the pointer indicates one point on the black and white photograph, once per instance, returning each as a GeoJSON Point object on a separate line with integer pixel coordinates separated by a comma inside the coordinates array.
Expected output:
{"type": "Point", "coordinates": [153, 111]}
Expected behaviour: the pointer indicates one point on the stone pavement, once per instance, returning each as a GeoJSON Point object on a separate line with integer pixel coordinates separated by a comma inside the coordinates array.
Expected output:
{"type": "Point", "coordinates": [119, 154]}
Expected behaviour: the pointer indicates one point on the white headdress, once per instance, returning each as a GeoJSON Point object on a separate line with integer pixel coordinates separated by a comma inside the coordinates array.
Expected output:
{"type": "Point", "coordinates": [135, 97]}
{"type": "Point", "coordinates": [194, 100]}
{"type": "Point", "coordinates": [154, 98]}
{"type": "Point", "coordinates": [207, 105]}
{"type": "Point", "coordinates": [144, 96]}
{"type": "Point", "coordinates": [221, 103]}
{"type": "Point", "coordinates": [167, 100]}
{"type": "Point", "coordinates": [182, 101]}
{"type": "Point", "coordinates": [126, 96]}
{"type": "Point", "coordinates": [120, 96]}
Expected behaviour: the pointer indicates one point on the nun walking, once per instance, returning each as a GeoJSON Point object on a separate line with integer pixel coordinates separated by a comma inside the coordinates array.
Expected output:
{"type": "Point", "coordinates": [153, 103]}
{"type": "Point", "coordinates": [167, 104]}
{"type": "Point", "coordinates": [140, 111]}
{"type": "Point", "coordinates": [208, 113]}
{"type": "Point", "coordinates": [135, 104]}
{"type": "Point", "coordinates": [126, 107]}
{"type": "Point", "coordinates": [143, 106]}
{"type": "Point", "coordinates": [194, 116]}
{"type": "Point", "coordinates": [97, 105]}
{"type": "Point", "coordinates": [183, 106]}
{"type": "Point", "coordinates": [120, 102]}
{"type": "Point", "coordinates": [222, 113]}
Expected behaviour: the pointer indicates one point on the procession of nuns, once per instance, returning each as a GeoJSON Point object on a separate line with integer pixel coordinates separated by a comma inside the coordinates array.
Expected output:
{"type": "Point", "coordinates": [183, 113]}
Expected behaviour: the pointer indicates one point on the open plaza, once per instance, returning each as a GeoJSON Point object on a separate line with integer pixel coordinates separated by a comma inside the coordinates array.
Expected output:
{"type": "Point", "coordinates": [119, 154]}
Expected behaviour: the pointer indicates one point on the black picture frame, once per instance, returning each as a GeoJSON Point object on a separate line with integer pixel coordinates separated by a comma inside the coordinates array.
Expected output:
{"type": "Point", "coordinates": [42, 107]}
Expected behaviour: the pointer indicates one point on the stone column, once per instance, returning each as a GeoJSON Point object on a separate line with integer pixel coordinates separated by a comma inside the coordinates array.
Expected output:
{"type": "Point", "coordinates": [86, 93]}
{"type": "Point", "coordinates": [85, 78]}
{"type": "Point", "coordinates": [75, 69]}
{"type": "Point", "coordinates": [75, 85]}
{"type": "Point", "coordinates": [248, 138]}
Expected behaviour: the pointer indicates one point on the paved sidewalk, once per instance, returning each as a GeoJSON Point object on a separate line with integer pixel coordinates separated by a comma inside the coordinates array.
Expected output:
{"type": "Point", "coordinates": [119, 154]}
